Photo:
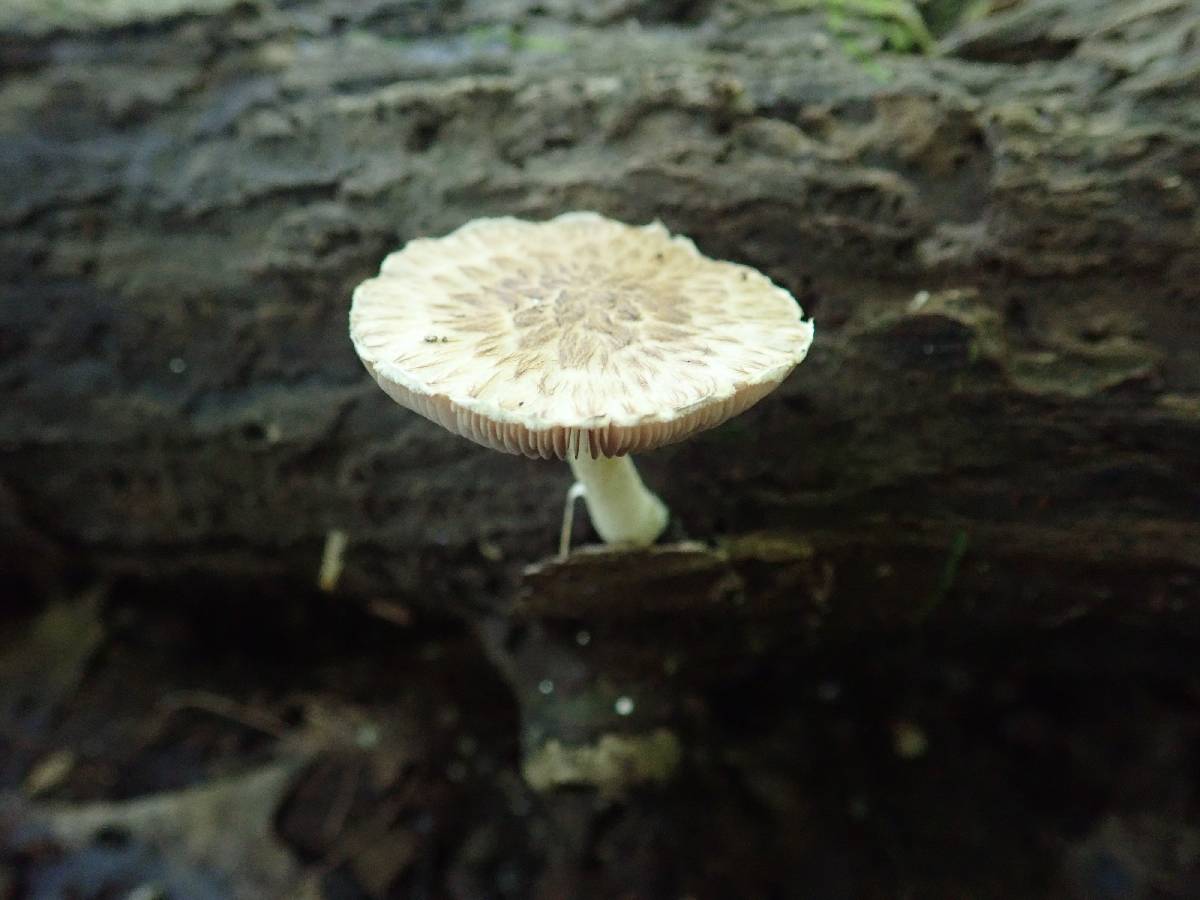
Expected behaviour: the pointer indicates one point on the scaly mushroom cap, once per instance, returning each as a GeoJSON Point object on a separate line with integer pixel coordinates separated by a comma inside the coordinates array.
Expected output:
{"type": "Point", "coordinates": [576, 335]}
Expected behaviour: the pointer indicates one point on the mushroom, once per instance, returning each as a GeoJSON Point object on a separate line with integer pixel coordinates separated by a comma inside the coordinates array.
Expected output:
{"type": "Point", "coordinates": [579, 338]}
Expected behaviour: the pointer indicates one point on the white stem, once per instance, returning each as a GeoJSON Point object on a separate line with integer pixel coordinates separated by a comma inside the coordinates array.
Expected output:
{"type": "Point", "coordinates": [622, 509]}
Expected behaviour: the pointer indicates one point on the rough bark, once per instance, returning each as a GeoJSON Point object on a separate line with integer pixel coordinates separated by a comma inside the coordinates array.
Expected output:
{"type": "Point", "coordinates": [998, 430]}
{"type": "Point", "coordinates": [1002, 405]}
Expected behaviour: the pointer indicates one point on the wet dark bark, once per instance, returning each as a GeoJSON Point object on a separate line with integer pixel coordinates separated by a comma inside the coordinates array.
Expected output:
{"type": "Point", "coordinates": [995, 440]}
{"type": "Point", "coordinates": [1001, 261]}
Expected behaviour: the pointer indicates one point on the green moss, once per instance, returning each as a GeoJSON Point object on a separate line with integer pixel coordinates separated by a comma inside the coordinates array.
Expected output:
{"type": "Point", "coordinates": [896, 23]}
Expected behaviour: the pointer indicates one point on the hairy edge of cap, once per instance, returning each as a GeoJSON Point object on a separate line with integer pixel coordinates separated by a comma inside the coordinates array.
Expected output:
{"type": "Point", "coordinates": [566, 442]}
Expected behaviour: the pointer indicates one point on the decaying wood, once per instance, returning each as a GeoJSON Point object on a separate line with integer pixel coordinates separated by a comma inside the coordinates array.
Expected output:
{"type": "Point", "coordinates": [1002, 405]}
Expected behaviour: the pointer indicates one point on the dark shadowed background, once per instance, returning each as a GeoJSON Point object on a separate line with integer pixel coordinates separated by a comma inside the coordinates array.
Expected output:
{"type": "Point", "coordinates": [934, 629]}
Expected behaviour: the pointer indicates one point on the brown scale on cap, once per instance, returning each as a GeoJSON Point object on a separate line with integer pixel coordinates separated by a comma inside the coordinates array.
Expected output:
{"type": "Point", "coordinates": [576, 335]}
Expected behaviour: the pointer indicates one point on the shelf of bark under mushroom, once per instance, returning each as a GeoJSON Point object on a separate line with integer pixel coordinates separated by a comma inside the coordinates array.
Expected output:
{"type": "Point", "coordinates": [609, 650]}
{"type": "Point", "coordinates": [684, 613]}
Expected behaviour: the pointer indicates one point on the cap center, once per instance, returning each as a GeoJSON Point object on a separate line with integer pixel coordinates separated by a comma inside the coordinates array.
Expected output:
{"type": "Point", "coordinates": [585, 314]}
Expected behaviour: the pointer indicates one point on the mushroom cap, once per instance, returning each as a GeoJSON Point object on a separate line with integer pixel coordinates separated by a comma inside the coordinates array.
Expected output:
{"type": "Point", "coordinates": [575, 335]}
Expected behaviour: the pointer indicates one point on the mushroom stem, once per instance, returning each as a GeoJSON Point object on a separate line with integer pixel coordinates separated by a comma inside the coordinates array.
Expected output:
{"type": "Point", "coordinates": [622, 509]}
